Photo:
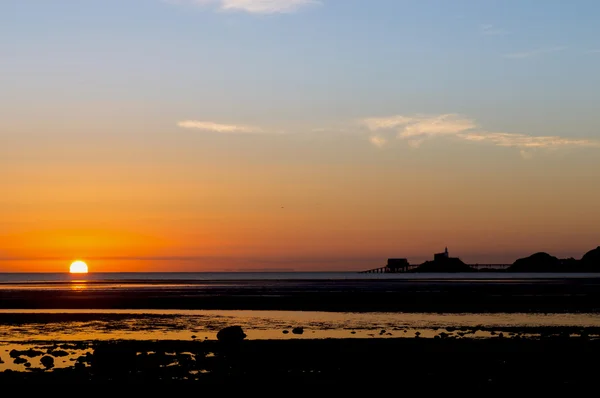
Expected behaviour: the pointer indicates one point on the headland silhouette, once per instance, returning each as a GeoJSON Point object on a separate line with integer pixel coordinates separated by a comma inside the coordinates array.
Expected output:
{"type": "Point", "coordinates": [537, 262]}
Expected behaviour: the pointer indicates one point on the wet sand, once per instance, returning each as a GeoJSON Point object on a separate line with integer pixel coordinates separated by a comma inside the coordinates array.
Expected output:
{"type": "Point", "coordinates": [448, 363]}
{"type": "Point", "coordinates": [480, 295]}
{"type": "Point", "coordinates": [456, 350]}
{"type": "Point", "coordinates": [102, 325]}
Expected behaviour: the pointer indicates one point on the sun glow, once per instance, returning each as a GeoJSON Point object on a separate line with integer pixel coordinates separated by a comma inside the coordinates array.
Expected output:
{"type": "Point", "coordinates": [78, 267]}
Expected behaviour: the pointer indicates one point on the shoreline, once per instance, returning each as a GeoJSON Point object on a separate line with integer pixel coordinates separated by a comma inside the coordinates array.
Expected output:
{"type": "Point", "coordinates": [397, 295]}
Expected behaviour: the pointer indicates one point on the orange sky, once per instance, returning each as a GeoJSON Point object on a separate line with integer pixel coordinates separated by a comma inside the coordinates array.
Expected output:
{"type": "Point", "coordinates": [295, 203]}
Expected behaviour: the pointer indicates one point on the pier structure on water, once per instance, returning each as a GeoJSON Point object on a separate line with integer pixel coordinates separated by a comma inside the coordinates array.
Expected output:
{"type": "Point", "coordinates": [393, 266]}
{"type": "Point", "coordinates": [401, 265]}
{"type": "Point", "coordinates": [411, 267]}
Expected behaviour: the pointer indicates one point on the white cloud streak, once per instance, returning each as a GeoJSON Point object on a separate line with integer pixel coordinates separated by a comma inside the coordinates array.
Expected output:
{"type": "Point", "coordinates": [491, 30]}
{"type": "Point", "coordinates": [417, 129]}
{"type": "Point", "coordinates": [218, 127]}
{"type": "Point", "coordinates": [421, 127]}
{"type": "Point", "coordinates": [534, 53]}
{"type": "Point", "coordinates": [527, 141]}
{"type": "Point", "coordinates": [253, 6]}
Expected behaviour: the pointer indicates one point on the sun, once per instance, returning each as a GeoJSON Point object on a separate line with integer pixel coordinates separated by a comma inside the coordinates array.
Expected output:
{"type": "Point", "coordinates": [78, 267]}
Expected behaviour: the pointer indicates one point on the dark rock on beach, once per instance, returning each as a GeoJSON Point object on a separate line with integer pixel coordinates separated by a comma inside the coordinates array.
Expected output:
{"type": "Point", "coordinates": [468, 365]}
{"type": "Point", "coordinates": [47, 362]}
{"type": "Point", "coordinates": [31, 353]}
{"type": "Point", "coordinates": [231, 334]}
{"type": "Point", "coordinates": [58, 353]}
{"type": "Point", "coordinates": [298, 330]}
{"type": "Point", "coordinates": [19, 361]}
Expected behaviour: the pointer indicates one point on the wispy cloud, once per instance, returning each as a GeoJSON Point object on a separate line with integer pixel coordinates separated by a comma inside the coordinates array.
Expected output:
{"type": "Point", "coordinates": [593, 52]}
{"type": "Point", "coordinates": [218, 127]}
{"type": "Point", "coordinates": [252, 6]}
{"type": "Point", "coordinates": [491, 30]}
{"type": "Point", "coordinates": [535, 53]}
{"type": "Point", "coordinates": [417, 129]}
{"type": "Point", "coordinates": [527, 141]}
{"type": "Point", "coordinates": [382, 123]}
{"type": "Point", "coordinates": [378, 141]}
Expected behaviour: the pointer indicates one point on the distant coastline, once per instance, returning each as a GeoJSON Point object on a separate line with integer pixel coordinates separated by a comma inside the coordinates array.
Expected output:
{"type": "Point", "coordinates": [540, 262]}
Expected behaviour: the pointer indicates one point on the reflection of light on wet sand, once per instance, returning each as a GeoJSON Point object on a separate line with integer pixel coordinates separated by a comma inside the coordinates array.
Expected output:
{"type": "Point", "coordinates": [60, 362]}
{"type": "Point", "coordinates": [204, 325]}
{"type": "Point", "coordinates": [79, 287]}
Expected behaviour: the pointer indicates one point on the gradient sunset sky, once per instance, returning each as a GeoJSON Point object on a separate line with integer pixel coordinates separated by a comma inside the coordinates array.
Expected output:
{"type": "Point", "coordinates": [211, 135]}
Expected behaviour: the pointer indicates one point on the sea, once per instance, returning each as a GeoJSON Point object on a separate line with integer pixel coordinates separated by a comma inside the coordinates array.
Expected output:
{"type": "Point", "coordinates": [159, 277]}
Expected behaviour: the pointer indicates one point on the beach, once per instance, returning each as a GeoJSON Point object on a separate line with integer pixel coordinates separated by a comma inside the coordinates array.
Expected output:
{"type": "Point", "coordinates": [464, 365]}
{"type": "Point", "coordinates": [484, 332]}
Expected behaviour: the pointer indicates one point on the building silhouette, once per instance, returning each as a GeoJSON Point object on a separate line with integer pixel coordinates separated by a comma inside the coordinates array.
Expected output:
{"type": "Point", "coordinates": [441, 256]}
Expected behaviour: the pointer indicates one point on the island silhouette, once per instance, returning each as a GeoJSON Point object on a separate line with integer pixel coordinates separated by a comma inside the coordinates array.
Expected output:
{"type": "Point", "coordinates": [537, 262]}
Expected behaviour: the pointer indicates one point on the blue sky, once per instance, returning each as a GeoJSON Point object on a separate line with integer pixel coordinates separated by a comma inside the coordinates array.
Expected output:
{"type": "Point", "coordinates": [511, 65]}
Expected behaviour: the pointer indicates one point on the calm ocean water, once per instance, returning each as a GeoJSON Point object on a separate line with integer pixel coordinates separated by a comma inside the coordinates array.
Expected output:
{"type": "Point", "coordinates": [158, 277]}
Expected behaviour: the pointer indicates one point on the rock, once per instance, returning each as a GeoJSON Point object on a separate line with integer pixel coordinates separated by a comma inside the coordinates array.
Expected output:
{"type": "Point", "coordinates": [87, 358]}
{"type": "Point", "coordinates": [538, 262]}
{"type": "Point", "coordinates": [47, 362]}
{"type": "Point", "coordinates": [298, 330]}
{"type": "Point", "coordinates": [58, 353]}
{"type": "Point", "coordinates": [231, 334]}
{"type": "Point", "coordinates": [444, 265]}
{"type": "Point", "coordinates": [194, 337]}
{"type": "Point", "coordinates": [19, 361]}
{"type": "Point", "coordinates": [382, 332]}
{"type": "Point", "coordinates": [27, 365]}
{"type": "Point", "coordinates": [353, 332]}
{"type": "Point", "coordinates": [1, 361]}
{"type": "Point", "coordinates": [286, 331]}
{"type": "Point", "coordinates": [31, 353]}
{"type": "Point", "coordinates": [591, 260]}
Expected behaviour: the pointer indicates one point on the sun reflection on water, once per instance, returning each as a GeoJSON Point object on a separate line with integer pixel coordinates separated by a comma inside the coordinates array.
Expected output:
{"type": "Point", "coordinates": [79, 286]}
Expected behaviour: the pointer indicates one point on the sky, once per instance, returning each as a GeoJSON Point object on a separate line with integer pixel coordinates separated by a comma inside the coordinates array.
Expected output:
{"type": "Point", "coordinates": [220, 135]}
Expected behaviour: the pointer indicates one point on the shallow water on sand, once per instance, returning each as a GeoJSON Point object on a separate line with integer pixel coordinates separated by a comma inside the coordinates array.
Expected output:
{"type": "Point", "coordinates": [87, 325]}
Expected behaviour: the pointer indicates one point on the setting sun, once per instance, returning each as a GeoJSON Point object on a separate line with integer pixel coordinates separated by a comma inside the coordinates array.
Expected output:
{"type": "Point", "coordinates": [78, 267]}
